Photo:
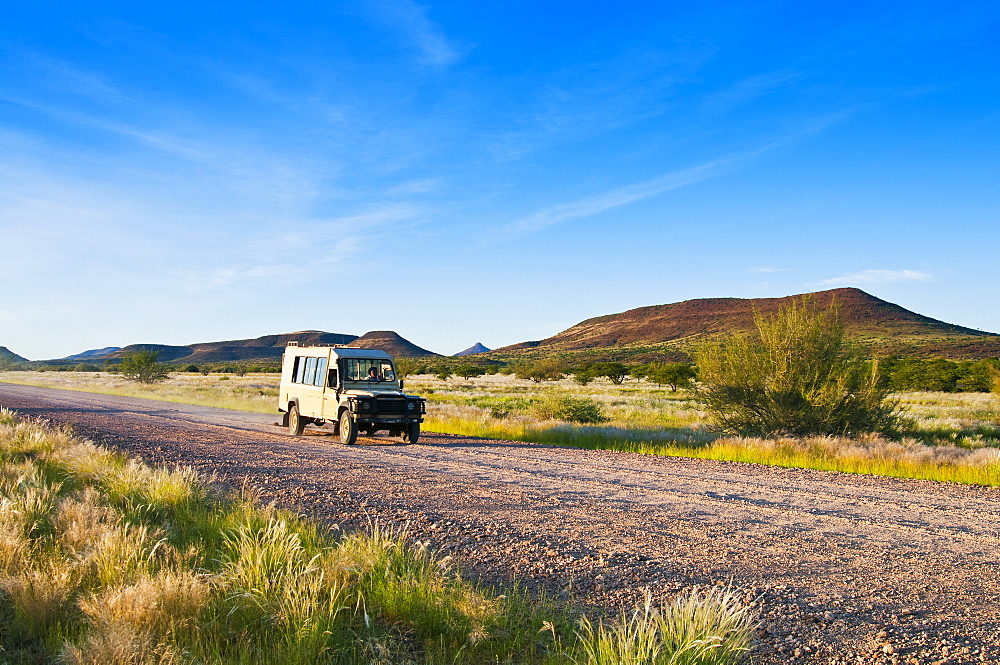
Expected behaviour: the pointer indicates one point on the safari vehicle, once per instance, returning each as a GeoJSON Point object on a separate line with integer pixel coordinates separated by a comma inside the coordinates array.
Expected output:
{"type": "Point", "coordinates": [357, 390]}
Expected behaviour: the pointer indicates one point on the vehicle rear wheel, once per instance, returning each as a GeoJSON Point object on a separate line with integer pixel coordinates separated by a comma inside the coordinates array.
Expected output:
{"type": "Point", "coordinates": [348, 429]}
{"type": "Point", "coordinates": [296, 423]}
{"type": "Point", "coordinates": [412, 433]}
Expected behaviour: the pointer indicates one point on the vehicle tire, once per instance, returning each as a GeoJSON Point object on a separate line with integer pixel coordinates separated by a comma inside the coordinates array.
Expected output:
{"type": "Point", "coordinates": [296, 423]}
{"type": "Point", "coordinates": [348, 429]}
{"type": "Point", "coordinates": [412, 433]}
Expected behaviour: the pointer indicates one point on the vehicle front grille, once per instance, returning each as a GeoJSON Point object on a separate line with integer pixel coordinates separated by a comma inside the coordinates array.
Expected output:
{"type": "Point", "coordinates": [390, 406]}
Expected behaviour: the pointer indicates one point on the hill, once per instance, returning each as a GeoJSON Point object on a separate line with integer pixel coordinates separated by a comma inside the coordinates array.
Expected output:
{"type": "Point", "coordinates": [93, 354]}
{"type": "Point", "coordinates": [392, 343]}
{"type": "Point", "coordinates": [270, 347]}
{"type": "Point", "coordinates": [667, 330]}
{"type": "Point", "coordinates": [8, 356]}
{"type": "Point", "coordinates": [473, 350]}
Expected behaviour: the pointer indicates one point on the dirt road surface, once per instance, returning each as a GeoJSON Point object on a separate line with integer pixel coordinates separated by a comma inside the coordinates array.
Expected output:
{"type": "Point", "coordinates": [846, 569]}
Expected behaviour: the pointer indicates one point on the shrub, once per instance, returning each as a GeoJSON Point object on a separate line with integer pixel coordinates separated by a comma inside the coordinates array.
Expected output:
{"type": "Point", "coordinates": [191, 368]}
{"type": "Point", "coordinates": [796, 376]}
{"type": "Point", "coordinates": [142, 366]}
{"type": "Point", "coordinates": [569, 408]}
{"type": "Point", "coordinates": [86, 367]}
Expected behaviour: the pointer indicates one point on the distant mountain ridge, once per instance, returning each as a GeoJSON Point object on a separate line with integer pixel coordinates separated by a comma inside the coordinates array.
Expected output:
{"type": "Point", "coordinates": [270, 347]}
{"type": "Point", "coordinates": [93, 354]}
{"type": "Point", "coordinates": [871, 320]}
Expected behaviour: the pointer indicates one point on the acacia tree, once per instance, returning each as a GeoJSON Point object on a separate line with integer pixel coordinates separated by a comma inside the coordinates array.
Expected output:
{"type": "Point", "coordinates": [406, 366]}
{"type": "Point", "coordinates": [796, 376]}
{"type": "Point", "coordinates": [141, 365]}
{"type": "Point", "coordinates": [675, 375]}
{"type": "Point", "coordinates": [613, 371]}
{"type": "Point", "coordinates": [469, 371]}
{"type": "Point", "coordinates": [546, 369]}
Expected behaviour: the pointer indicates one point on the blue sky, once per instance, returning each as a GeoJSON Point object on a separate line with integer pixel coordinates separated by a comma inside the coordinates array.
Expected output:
{"type": "Point", "coordinates": [495, 172]}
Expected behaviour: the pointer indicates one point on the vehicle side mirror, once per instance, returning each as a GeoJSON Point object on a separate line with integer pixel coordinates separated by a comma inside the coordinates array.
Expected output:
{"type": "Point", "coordinates": [400, 384]}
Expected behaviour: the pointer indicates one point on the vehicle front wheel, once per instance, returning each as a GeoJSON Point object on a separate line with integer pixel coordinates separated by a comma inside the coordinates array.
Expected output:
{"type": "Point", "coordinates": [412, 433]}
{"type": "Point", "coordinates": [348, 429]}
{"type": "Point", "coordinates": [296, 423]}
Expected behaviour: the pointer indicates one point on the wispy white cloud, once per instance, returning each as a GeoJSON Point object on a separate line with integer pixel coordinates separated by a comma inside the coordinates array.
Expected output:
{"type": "Point", "coordinates": [593, 205]}
{"type": "Point", "coordinates": [674, 180]}
{"type": "Point", "coordinates": [747, 90]}
{"type": "Point", "coordinates": [768, 269]}
{"type": "Point", "coordinates": [429, 39]}
{"type": "Point", "coordinates": [878, 276]}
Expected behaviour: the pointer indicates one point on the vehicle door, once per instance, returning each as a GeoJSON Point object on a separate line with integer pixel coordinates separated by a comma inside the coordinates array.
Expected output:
{"type": "Point", "coordinates": [331, 399]}
{"type": "Point", "coordinates": [313, 382]}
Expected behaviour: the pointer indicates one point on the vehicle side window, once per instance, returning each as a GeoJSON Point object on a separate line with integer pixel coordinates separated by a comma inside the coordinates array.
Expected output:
{"type": "Point", "coordinates": [387, 373]}
{"type": "Point", "coordinates": [297, 370]}
{"type": "Point", "coordinates": [320, 372]}
{"type": "Point", "coordinates": [310, 374]}
{"type": "Point", "coordinates": [331, 382]}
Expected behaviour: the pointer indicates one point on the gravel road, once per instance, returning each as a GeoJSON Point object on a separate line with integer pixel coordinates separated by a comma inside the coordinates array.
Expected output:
{"type": "Point", "coordinates": [846, 569]}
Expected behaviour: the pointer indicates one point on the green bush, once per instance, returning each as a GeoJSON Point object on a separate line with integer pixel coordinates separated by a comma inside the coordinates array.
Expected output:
{"type": "Point", "coordinates": [797, 376]}
{"type": "Point", "coordinates": [86, 367]}
{"type": "Point", "coordinates": [569, 408]}
{"type": "Point", "coordinates": [191, 368]}
{"type": "Point", "coordinates": [142, 366]}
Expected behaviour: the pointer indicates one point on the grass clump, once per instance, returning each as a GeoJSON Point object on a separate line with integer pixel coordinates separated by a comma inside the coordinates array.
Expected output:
{"type": "Point", "coordinates": [700, 627]}
{"type": "Point", "coordinates": [106, 561]}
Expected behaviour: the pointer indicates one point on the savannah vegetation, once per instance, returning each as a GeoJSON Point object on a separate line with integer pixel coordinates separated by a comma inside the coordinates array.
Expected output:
{"type": "Point", "coordinates": [106, 560]}
{"type": "Point", "coordinates": [944, 435]}
{"type": "Point", "coordinates": [794, 394]}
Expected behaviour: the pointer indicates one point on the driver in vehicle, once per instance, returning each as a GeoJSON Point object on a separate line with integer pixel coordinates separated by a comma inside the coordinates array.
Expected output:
{"type": "Point", "coordinates": [373, 375]}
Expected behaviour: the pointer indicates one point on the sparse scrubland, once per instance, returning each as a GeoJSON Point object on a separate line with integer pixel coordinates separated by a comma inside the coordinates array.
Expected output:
{"type": "Point", "coordinates": [106, 560]}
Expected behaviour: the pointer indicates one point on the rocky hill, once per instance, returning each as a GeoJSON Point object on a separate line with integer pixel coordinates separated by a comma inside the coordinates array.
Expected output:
{"type": "Point", "coordinates": [870, 320]}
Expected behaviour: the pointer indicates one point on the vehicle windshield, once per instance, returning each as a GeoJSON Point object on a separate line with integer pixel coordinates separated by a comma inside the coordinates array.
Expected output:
{"type": "Point", "coordinates": [368, 369]}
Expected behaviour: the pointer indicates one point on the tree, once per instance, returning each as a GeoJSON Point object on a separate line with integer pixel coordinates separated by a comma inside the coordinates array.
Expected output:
{"type": "Point", "coordinates": [797, 376]}
{"type": "Point", "coordinates": [546, 369]}
{"type": "Point", "coordinates": [406, 366]}
{"type": "Point", "coordinates": [142, 366]}
{"type": "Point", "coordinates": [616, 372]}
{"type": "Point", "coordinates": [583, 374]}
{"type": "Point", "coordinates": [675, 375]}
{"type": "Point", "coordinates": [469, 371]}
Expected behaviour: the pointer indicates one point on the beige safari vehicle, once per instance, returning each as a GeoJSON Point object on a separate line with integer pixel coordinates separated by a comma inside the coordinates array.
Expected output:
{"type": "Point", "coordinates": [355, 389]}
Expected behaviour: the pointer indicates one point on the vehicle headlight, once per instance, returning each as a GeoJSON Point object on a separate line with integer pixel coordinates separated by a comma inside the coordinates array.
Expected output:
{"type": "Point", "coordinates": [412, 406]}
{"type": "Point", "coordinates": [365, 405]}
